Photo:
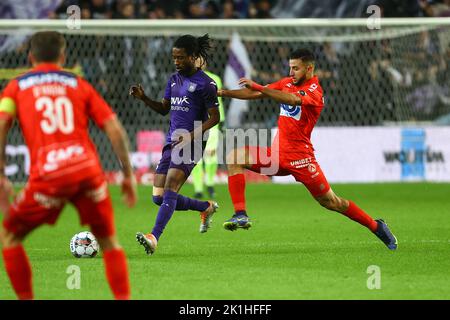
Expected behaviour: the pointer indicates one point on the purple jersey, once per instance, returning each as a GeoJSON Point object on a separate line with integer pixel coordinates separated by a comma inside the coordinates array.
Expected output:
{"type": "Point", "coordinates": [190, 98]}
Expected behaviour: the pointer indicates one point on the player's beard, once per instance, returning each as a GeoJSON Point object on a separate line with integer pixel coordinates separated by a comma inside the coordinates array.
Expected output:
{"type": "Point", "coordinates": [188, 71]}
{"type": "Point", "coordinates": [300, 81]}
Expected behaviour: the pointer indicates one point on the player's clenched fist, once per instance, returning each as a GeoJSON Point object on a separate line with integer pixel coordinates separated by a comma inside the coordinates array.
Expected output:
{"type": "Point", "coordinates": [137, 91]}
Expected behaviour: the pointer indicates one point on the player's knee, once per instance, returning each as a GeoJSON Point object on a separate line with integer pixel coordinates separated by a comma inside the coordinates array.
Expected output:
{"type": "Point", "coordinates": [108, 243]}
{"type": "Point", "coordinates": [235, 163]}
{"type": "Point", "coordinates": [172, 185]}
{"type": "Point", "coordinates": [9, 239]}
{"type": "Point", "coordinates": [231, 157]}
{"type": "Point", "coordinates": [234, 169]}
{"type": "Point", "coordinates": [236, 157]}
{"type": "Point", "coordinates": [158, 200]}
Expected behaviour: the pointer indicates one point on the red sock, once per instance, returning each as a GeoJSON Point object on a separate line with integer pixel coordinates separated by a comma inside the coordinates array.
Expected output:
{"type": "Point", "coordinates": [236, 187]}
{"type": "Point", "coordinates": [355, 213]}
{"type": "Point", "coordinates": [117, 273]}
{"type": "Point", "coordinates": [19, 271]}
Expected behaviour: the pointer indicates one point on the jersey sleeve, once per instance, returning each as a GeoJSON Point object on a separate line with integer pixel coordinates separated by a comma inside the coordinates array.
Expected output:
{"type": "Point", "coordinates": [210, 95]}
{"type": "Point", "coordinates": [310, 97]}
{"type": "Point", "coordinates": [276, 85]}
{"type": "Point", "coordinates": [8, 102]}
{"type": "Point", "coordinates": [98, 109]}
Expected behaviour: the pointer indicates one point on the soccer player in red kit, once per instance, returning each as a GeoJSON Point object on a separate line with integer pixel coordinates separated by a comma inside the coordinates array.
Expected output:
{"type": "Point", "coordinates": [53, 108]}
{"type": "Point", "coordinates": [301, 101]}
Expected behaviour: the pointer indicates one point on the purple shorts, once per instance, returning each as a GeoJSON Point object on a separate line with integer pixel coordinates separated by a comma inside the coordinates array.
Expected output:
{"type": "Point", "coordinates": [186, 164]}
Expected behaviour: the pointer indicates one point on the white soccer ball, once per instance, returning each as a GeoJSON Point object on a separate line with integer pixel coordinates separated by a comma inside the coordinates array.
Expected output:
{"type": "Point", "coordinates": [84, 245]}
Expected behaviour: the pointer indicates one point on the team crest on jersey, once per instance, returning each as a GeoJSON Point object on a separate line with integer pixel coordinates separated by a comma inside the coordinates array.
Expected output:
{"type": "Point", "coordinates": [192, 87]}
{"type": "Point", "coordinates": [290, 111]}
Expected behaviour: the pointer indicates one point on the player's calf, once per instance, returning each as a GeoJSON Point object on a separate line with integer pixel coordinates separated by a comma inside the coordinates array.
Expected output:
{"type": "Point", "coordinates": [158, 200]}
{"type": "Point", "coordinates": [108, 243]}
{"type": "Point", "coordinates": [332, 202]}
{"type": "Point", "coordinates": [9, 239]}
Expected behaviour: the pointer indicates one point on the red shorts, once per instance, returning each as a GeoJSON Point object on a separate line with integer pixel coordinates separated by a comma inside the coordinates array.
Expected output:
{"type": "Point", "coordinates": [303, 167]}
{"type": "Point", "coordinates": [41, 202]}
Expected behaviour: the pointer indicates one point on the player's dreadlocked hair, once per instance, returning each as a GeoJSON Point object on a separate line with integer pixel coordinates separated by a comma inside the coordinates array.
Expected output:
{"type": "Point", "coordinates": [196, 47]}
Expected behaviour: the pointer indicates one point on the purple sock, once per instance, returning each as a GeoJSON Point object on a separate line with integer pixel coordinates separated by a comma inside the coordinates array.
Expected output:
{"type": "Point", "coordinates": [185, 203]}
{"type": "Point", "coordinates": [165, 212]}
{"type": "Point", "coordinates": [158, 200]}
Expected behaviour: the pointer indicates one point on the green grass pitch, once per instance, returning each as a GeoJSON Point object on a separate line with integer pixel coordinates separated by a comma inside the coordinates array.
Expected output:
{"type": "Point", "coordinates": [295, 249]}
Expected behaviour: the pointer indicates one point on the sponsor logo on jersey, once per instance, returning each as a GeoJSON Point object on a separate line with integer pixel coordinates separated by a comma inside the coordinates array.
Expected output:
{"type": "Point", "coordinates": [43, 78]}
{"type": "Point", "coordinates": [179, 100]}
{"type": "Point", "coordinates": [304, 162]}
{"type": "Point", "coordinates": [179, 108]}
{"type": "Point", "coordinates": [312, 168]}
{"type": "Point", "coordinates": [303, 93]}
{"type": "Point", "coordinates": [177, 104]}
{"type": "Point", "coordinates": [290, 111]}
{"type": "Point", "coordinates": [55, 158]}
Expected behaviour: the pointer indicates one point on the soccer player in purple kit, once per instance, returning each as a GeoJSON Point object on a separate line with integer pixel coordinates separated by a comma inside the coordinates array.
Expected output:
{"type": "Point", "coordinates": [190, 96]}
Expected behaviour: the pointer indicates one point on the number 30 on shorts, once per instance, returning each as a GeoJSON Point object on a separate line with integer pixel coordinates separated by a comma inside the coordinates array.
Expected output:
{"type": "Point", "coordinates": [57, 115]}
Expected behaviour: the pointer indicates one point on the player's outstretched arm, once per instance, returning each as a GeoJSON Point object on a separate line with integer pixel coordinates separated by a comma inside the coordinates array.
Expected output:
{"type": "Point", "coordinates": [279, 96]}
{"type": "Point", "coordinates": [214, 119]}
{"type": "Point", "coordinates": [244, 94]}
{"type": "Point", "coordinates": [119, 140]}
{"type": "Point", "coordinates": [162, 107]}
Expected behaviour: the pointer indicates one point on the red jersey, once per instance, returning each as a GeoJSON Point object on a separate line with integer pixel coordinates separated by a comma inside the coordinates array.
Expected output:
{"type": "Point", "coordinates": [296, 123]}
{"type": "Point", "coordinates": [53, 108]}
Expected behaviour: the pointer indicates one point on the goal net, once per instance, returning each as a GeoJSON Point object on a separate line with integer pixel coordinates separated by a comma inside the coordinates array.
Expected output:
{"type": "Point", "coordinates": [371, 77]}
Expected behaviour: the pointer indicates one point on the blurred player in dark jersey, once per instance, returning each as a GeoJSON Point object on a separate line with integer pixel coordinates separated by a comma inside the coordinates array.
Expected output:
{"type": "Point", "coordinates": [190, 97]}
{"type": "Point", "coordinates": [301, 101]}
{"type": "Point", "coordinates": [53, 108]}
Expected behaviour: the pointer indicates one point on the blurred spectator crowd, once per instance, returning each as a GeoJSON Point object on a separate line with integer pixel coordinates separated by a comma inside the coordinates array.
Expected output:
{"type": "Point", "coordinates": [222, 9]}
{"type": "Point", "coordinates": [243, 9]}
{"type": "Point", "coordinates": [168, 9]}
